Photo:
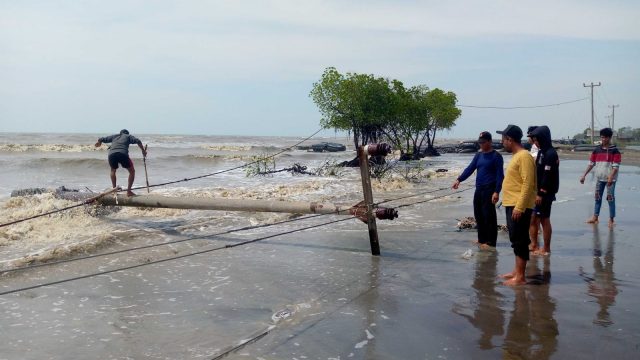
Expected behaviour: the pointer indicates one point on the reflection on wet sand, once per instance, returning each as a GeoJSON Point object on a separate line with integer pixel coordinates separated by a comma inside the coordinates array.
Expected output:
{"type": "Point", "coordinates": [602, 284]}
{"type": "Point", "coordinates": [488, 315]}
{"type": "Point", "coordinates": [532, 331]}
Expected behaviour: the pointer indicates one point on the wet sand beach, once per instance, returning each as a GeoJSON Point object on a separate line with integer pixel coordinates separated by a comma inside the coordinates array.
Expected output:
{"type": "Point", "coordinates": [319, 294]}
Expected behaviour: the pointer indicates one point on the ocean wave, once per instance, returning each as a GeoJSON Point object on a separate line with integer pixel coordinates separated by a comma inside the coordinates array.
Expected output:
{"type": "Point", "coordinates": [99, 163]}
{"type": "Point", "coordinates": [54, 236]}
{"type": "Point", "coordinates": [75, 148]}
{"type": "Point", "coordinates": [237, 148]}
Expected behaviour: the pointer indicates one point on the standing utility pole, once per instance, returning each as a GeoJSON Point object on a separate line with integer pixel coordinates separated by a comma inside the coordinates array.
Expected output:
{"type": "Point", "coordinates": [381, 149]}
{"type": "Point", "coordinates": [592, 113]}
{"type": "Point", "coordinates": [613, 118]}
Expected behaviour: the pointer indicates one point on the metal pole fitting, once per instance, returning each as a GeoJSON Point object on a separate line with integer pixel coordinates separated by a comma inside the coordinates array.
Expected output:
{"type": "Point", "coordinates": [386, 213]}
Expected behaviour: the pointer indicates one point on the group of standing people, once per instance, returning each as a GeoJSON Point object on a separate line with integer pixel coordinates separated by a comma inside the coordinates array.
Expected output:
{"type": "Point", "coordinates": [529, 186]}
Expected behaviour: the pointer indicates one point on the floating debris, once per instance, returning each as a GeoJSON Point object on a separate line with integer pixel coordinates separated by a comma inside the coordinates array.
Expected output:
{"type": "Point", "coordinates": [469, 223]}
{"type": "Point", "coordinates": [467, 254]}
{"type": "Point", "coordinates": [281, 315]}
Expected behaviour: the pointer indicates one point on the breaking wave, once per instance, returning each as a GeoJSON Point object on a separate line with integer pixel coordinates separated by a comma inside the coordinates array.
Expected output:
{"type": "Point", "coordinates": [238, 148]}
{"type": "Point", "coordinates": [76, 148]}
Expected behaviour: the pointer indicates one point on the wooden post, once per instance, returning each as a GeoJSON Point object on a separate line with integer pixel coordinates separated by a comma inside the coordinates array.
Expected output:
{"type": "Point", "coordinates": [363, 156]}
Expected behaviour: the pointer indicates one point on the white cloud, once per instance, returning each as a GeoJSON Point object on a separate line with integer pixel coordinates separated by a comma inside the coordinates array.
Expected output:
{"type": "Point", "coordinates": [125, 48]}
{"type": "Point", "coordinates": [250, 38]}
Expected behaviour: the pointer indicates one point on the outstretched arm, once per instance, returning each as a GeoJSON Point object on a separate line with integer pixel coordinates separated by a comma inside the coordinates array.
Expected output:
{"type": "Point", "coordinates": [467, 172]}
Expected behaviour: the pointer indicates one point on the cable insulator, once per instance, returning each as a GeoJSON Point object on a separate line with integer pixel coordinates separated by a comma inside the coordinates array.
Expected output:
{"type": "Point", "coordinates": [386, 213]}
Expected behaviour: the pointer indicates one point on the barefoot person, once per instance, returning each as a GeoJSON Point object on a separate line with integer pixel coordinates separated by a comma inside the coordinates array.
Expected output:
{"type": "Point", "coordinates": [606, 160]}
{"type": "Point", "coordinates": [548, 181]}
{"type": "Point", "coordinates": [119, 154]}
{"type": "Point", "coordinates": [518, 198]}
{"type": "Point", "coordinates": [489, 178]}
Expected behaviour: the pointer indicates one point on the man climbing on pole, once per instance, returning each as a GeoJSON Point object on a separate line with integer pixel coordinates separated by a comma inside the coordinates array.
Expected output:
{"type": "Point", "coordinates": [119, 155]}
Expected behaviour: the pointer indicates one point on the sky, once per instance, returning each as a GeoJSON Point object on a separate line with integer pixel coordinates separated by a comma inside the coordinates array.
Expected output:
{"type": "Point", "coordinates": [246, 67]}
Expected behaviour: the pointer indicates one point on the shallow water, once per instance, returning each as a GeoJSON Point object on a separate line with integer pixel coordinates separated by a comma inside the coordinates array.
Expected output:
{"type": "Point", "coordinates": [320, 294]}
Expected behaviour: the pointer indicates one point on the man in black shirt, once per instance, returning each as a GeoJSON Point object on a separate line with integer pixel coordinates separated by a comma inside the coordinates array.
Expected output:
{"type": "Point", "coordinates": [547, 173]}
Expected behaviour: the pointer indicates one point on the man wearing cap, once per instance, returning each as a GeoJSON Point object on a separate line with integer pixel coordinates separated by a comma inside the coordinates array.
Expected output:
{"type": "Point", "coordinates": [119, 154]}
{"type": "Point", "coordinates": [518, 198]}
{"type": "Point", "coordinates": [489, 178]}
{"type": "Point", "coordinates": [548, 183]}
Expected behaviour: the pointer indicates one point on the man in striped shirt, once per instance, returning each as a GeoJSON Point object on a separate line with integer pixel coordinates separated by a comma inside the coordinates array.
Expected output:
{"type": "Point", "coordinates": [605, 159]}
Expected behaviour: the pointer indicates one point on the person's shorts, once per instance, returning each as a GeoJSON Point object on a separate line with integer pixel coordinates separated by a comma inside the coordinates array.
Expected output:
{"type": "Point", "coordinates": [544, 209]}
{"type": "Point", "coordinates": [120, 158]}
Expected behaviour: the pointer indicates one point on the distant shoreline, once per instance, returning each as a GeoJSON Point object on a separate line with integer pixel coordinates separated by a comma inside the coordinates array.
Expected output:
{"type": "Point", "coordinates": [629, 156]}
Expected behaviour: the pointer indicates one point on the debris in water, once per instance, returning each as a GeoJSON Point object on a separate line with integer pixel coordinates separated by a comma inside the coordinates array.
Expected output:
{"type": "Point", "coordinates": [468, 222]}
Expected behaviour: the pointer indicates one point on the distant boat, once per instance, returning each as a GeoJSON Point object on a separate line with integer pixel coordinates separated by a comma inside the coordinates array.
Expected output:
{"type": "Point", "coordinates": [328, 146]}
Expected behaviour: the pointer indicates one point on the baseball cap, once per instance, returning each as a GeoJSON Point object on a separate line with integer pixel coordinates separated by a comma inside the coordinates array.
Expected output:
{"type": "Point", "coordinates": [530, 129]}
{"type": "Point", "coordinates": [124, 131]}
{"type": "Point", "coordinates": [512, 131]}
{"type": "Point", "coordinates": [485, 135]}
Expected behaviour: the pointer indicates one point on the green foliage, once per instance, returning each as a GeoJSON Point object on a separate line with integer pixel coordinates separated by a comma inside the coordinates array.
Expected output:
{"type": "Point", "coordinates": [381, 170]}
{"type": "Point", "coordinates": [373, 108]}
{"type": "Point", "coordinates": [259, 165]}
{"type": "Point", "coordinates": [331, 168]}
{"type": "Point", "coordinates": [411, 171]}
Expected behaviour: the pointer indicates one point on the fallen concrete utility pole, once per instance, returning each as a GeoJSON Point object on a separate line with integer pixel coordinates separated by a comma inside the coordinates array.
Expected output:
{"type": "Point", "coordinates": [295, 207]}
{"type": "Point", "coordinates": [365, 210]}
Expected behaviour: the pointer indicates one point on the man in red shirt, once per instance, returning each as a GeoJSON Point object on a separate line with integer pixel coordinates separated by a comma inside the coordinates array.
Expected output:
{"type": "Point", "coordinates": [606, 160]}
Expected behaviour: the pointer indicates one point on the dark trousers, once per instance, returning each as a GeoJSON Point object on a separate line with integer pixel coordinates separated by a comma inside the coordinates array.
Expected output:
{"type": "Point", "coordinates": [519, 232]}
{"type": "Point", "coordinates": [485, 213]}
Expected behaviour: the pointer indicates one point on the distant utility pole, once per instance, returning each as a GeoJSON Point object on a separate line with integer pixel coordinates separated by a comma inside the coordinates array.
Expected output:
{"type": "Point", "coordinates": [613, 118]}
{"type": "Point", "coordinates": [592, 113]}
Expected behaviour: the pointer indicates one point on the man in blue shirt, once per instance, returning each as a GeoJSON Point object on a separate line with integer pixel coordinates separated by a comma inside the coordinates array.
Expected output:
{"type": "Point", "coordinates": [489, 178]}
{"type": "Point", "coordinates": [119, 154]}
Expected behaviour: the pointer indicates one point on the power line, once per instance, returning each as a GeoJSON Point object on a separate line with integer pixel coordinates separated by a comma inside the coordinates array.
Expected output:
{"type": "Point", "coordinates": [166, 183]}
{"type": "Point", "coordinates": [85, 202]}
{"type": "Point", "coordinates": [233, 168]}
{"type": "Point", "coordinates": [215, 249]}
{"type": "Point", "coordinates": [203, 237]}
{"type": "Point", "coordinates": [165, 259]}
{"type": "Point", "coordinates": [522, 107]}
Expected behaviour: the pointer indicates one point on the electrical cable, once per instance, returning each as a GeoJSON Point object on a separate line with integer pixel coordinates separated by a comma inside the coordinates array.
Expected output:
{"type": "Point", "coordinates": [522, 107]}
{"type": "Point", "coordinates": [167, 259]}
{"type": "Point", "coordinates": [85, 202]}
{"type": "Point", "coordinates": [210, 250]}
{"type": "Point", "coordinates": [202, 237]}
{"type": "Point", "coordinates": [409, 196]}
{"type": "Point", "coordinates": [233, 168]}
{"type": "Point", "coordinates": [163, 184]}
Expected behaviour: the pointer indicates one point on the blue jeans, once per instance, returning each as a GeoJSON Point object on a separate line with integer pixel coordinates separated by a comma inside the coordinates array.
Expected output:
{"type": "Point", "coordinates": [611, 198]}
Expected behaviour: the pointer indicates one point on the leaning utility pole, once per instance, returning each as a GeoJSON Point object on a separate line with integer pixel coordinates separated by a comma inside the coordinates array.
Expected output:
{"type": "Point", "coordinates": [592, 113]}
{"type": "Point", "coordinates": [613, 119]}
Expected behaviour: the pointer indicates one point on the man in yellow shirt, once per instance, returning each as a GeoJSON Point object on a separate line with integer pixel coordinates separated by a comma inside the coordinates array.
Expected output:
{"type": "Point", "coordinates": [518, 198]}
